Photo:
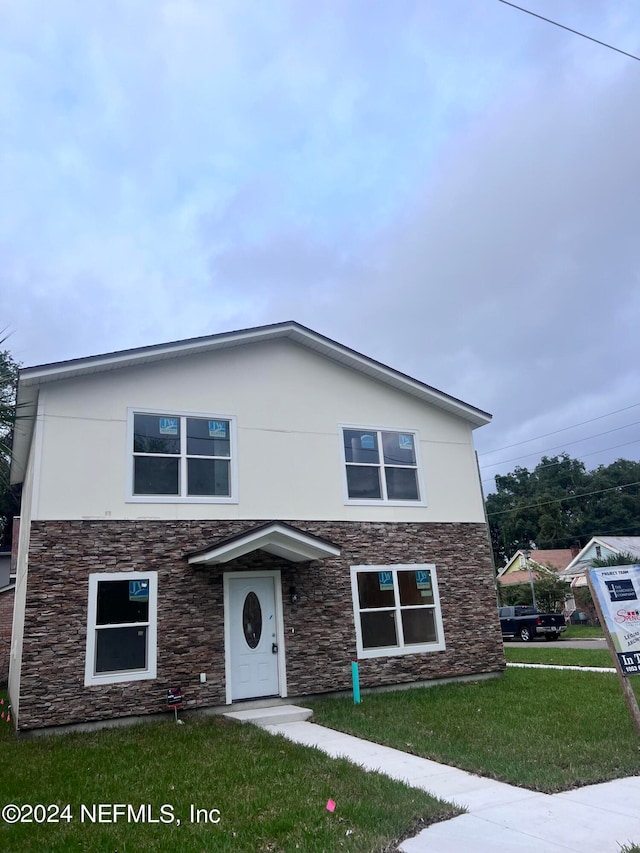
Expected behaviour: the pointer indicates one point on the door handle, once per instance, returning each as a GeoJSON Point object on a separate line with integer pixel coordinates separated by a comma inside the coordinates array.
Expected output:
{"type": "Point", "coordinates": [274, 648]}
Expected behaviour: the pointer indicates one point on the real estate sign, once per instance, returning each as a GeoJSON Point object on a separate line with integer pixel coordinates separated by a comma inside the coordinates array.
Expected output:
{"type": "Point", "coordinates": [616, 595]}
{"type": "Point", "coordinates": [618, 591]}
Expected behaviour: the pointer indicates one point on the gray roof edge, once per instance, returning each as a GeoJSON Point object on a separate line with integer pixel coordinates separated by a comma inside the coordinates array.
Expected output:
{"type": "Point", "coordinates": [54, 371]}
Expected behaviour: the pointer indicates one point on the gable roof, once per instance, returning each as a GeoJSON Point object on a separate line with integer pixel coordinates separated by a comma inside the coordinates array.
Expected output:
{"type": "Point", "coordinates": [275, 537]}
{"type": "Point", "coordinates": [621, 544]}
{"type": "Point", "coordinates": [31, 378]}
{"type": "Point", "coordinates": [616, 544]}
{"type": "Point", "coordinates": [554, 559]}
{"type": "Point", "coordinates": [522, 576]}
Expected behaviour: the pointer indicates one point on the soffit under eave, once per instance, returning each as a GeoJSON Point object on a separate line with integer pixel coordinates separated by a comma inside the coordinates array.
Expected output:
{"type": "Point", "coordinates": [26, 409]}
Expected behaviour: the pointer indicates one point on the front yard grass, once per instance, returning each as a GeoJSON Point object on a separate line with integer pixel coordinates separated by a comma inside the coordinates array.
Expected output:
{"type": "Point", "coordinates": [271, 794]}
{"type": "Point", "coordinates": [583, 632]}
{"type": "Point", "coordinates": [542, 729]}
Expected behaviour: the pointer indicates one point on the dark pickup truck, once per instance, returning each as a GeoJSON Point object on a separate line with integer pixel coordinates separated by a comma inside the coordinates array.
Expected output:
{"type": "Point", "coordinates": [527, 623]}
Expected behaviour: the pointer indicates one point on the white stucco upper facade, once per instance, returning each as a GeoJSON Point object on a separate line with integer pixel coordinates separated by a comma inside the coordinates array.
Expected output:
{"type": "Point", "coordinates": [286, 405]}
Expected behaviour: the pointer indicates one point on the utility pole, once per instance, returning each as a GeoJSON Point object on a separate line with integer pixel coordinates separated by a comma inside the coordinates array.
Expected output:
{"type": "Point", "coordinates": [526, 553]}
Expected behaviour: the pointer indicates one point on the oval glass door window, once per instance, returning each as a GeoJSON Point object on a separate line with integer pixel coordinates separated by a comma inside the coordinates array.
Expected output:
{"type": "Point", "coordinates": [252, 620]}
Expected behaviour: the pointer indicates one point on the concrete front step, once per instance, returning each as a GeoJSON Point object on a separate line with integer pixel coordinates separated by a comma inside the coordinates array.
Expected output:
{"type": "Point", "coordinates": [272, 716]}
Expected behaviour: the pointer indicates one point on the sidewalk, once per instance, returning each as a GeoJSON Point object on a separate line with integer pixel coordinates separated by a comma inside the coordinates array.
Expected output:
{"type": "Point", "coordinates": [501, 818]}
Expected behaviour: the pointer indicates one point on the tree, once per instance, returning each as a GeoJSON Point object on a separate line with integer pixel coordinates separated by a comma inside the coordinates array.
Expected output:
{"type": "Point", "coordinates": [514, 594]}
{"type": "Point", "coordinates": [562, 505]}
{"type": "Point", "coordinates": [9, 500]}
{"type": "Point", "coordinates": [551, 593]}
{"type": "Point", "coordinates": [615, 506]}
{"type": "Point", "coordinates": [624, 558]}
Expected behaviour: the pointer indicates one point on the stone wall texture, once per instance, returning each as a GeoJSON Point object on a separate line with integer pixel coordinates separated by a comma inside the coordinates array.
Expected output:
{"type": "Point", "coordinates": [6, 619]}
{"type": "Point", "coordinates": [190, 611]}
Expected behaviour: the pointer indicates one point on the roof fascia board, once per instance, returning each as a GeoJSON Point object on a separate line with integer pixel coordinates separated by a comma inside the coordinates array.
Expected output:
{"type": "Point", "coordinates": [142, 355]}
{"type": "Point", "coordinates": [575, 563]}
{"type": "Point", "coordinates": [299, 546]}
{"type": "Point", "coordinates": [27, 408]}
{"type": "Point", "coordinates": [296, 332]}
{"type": "Point", "coordinates": [397, 379]}
{"type": "Point", "coordinates": [608, 542]}
{"type": "Point", "coordinates": [511, 562]}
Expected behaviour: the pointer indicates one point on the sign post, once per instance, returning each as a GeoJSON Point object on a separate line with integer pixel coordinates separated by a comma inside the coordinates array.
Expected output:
{"type": "Point", "coordinates": [175, 700]}
{"type": "Point", "coordinates": [616, 595]}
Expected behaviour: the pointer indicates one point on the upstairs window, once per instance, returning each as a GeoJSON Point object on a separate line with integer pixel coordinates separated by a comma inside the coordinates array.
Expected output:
{"type": "Point", "coordinates": [381, 466]}
{"type": "Point", "coordinates": [182, 457]}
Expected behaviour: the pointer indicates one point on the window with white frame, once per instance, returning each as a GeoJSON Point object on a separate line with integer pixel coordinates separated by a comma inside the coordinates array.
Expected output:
{"type": "Point", "coordinates": [181, 457]}
{"type": "Point", "coordinates": [397, 609]}
{"type": "Point", "coordinates": [381, 465]}
{"type": "Point", "coordinates": [121, 627]}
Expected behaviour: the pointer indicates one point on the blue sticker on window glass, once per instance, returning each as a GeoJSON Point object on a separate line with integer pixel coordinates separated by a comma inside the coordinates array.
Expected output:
{"type": "Point", "coordinates": [168, 426]}
{"type": "Point", "coordinates": [385, 579]}
{"type": "Point", "coordinates": [423, 579]}
{"type": "Point", "coordinates": [218, 429]}
{"type": "Point", "coordinates": [367, 442]}
{"type": "Point", "coordinates": [405, 442]}
{"type": "Point", "coordinates": [139, 591]}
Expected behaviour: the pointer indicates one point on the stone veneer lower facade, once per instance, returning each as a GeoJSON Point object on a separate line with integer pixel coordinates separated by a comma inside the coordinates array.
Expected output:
{"type": "Point", "coordinates": [63, 554]}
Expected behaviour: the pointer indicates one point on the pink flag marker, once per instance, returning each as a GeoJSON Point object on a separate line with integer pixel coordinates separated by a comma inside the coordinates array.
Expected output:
{"type": "Point", "coordinates": [331, 805]}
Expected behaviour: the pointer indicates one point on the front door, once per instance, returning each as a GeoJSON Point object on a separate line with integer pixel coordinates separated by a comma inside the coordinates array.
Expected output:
{"type": "Point", "coordinates": [252, 632]}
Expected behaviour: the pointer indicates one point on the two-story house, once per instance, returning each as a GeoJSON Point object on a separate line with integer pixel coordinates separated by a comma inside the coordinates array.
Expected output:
{"type": "Point", "coordinates": [241, 515]}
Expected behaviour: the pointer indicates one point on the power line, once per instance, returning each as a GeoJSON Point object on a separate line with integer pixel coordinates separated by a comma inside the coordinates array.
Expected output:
{"type": "Point", "coordinates": [619, 532]}
{"type": "Point", "coordinates": [582, 456]}
{"type": "Point", "coordinates": [566, 444]}
{"type": "Point", "coordinates": [562, 500]}
{"type": "Point", "coordinates": [575, 32]}
{"type": "Point", "coordinates": [556, 431]}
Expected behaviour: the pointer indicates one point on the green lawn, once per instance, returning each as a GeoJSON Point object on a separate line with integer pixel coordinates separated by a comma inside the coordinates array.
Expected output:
{"type": "Point", "coordinates": [542, 729]}
{"type": "Point", "coordinates": [271, 794]}
{"type": "Point", "coordinates": [582, 632]}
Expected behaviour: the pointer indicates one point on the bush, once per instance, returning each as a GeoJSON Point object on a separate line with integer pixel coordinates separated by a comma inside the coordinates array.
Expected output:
{"type": "Point", "coordinates": [551, 593]}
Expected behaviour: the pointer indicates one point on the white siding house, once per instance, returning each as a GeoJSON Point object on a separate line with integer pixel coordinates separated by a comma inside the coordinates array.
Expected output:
{"type": "Point", "coordinates": [175, 496]}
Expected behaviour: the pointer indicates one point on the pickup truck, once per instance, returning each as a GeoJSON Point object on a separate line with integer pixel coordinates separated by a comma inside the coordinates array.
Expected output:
{"type": "Point", "coordinates": [528, 623]}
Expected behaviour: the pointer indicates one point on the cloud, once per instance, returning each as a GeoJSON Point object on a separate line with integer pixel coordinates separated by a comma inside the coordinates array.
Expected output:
{"type": "Point", "coordinates": [449, 188]}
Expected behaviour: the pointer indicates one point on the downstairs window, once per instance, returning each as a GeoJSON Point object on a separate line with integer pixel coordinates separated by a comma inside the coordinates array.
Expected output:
{"type": "Point", "coordinates": [396, 609]}
{"type": "Point", "coordinates": [121, 627]}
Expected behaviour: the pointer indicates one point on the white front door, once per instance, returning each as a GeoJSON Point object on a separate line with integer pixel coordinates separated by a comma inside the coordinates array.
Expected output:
{"type": "Point", "coordinates": [252, 633]}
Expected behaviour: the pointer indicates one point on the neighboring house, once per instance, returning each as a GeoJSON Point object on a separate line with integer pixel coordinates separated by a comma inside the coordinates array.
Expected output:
{"type": "Point", "coordinates": [599, 548]}
{"type": "Point", "coordinates": [541, 562]}
{"type": "Point", "coordinates": [241, 515]}
{"type": "Point", "coordinates": [7, 587]}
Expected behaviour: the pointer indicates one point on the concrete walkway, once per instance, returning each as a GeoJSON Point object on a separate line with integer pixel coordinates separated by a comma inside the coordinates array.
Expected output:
{"type": "Point", "coordinates": [500, 818]}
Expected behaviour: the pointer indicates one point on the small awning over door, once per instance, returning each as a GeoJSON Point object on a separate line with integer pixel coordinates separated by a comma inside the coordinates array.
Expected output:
{"type": "Point", "coordinates": [275, 537]}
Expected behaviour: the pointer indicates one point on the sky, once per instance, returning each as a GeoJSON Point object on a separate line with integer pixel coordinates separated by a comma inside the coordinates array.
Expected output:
{"type": "Point", "coordinates": [447, 186]}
